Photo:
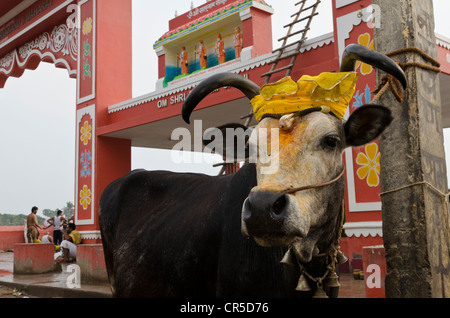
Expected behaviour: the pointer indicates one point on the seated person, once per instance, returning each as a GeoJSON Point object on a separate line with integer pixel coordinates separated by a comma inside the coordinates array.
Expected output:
{"type": "Point", "coordinates": [47, 238]}
{"type": "Point", "coordinates": [69, 245]}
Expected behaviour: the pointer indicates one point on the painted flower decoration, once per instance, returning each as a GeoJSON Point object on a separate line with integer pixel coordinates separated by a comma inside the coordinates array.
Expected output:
{"type": "Point", "coordinates": [85, 197]}
{"type": "Point", "coordinates": [86, 133]}
{"type": "Point", "coordinates": [365, 40]}
{"type": "Point", "coordinates": [86, 161]}
{"type": "Point", "coordinates": [87, 26]}
{"type": "Point", "coordinates": [370, 162]}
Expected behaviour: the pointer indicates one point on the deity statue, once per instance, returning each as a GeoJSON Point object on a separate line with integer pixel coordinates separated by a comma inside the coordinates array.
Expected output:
{"type": "Point", "coordinates": [202, 54]}
{"type": "Point", "coordinates": [183, 57]}
{"type": "Point", "coordinates": [238, 42]}
{"type": "Point", "coordinates": [220, 49]}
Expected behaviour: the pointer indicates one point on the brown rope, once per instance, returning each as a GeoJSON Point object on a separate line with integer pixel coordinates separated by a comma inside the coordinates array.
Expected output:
{"type": "Point", "coordinates": [389, 81]}
{"type": "Point", "coordinates": [295, 190]}
{"type": "Point", "coordinates": [442, 194]}
{"type": "Point", "coordinates": [423, 54]}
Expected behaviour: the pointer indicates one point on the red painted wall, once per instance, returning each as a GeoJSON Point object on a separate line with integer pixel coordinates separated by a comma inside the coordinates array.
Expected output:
{"type": "Point", "coordinates": [33, 258]}
{"type": "Point", "coordinates": [354, 245]}
{"type": "Point", "coordinates": [261, 32]}
{"type": "Point", "coordinates": [113, 70]}
{"type": "Point", "coordinates": [444, 59]}
{"type": "Point", "coordinates": [183, 19]}
{"type": "Point", "coordinates": [375, 269]}
{"type": "Point", "coordinates": [11, 235]}
{"type": "Point", "coordinates": [114, 52]}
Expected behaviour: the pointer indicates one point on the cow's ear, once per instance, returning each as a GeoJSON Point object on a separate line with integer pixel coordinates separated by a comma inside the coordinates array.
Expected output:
{"type": "Point", "coordinates": [366, 124]}
{"type": "Point", "coordinates": [230, 141]}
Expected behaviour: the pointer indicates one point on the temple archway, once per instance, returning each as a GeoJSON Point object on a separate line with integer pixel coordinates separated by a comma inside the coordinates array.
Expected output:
{"type": "Point", "coordinates": [37, 124]}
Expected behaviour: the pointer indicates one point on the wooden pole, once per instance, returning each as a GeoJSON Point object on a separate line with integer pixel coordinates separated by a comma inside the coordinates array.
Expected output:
{"type": "Point", "coordinates": [413, 168]}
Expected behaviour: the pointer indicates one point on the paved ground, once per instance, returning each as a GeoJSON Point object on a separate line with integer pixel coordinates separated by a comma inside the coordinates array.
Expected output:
{"type": "Point", "coordinates": [8, 292]}
{"type": "Point", "coordinates": [54, 285]}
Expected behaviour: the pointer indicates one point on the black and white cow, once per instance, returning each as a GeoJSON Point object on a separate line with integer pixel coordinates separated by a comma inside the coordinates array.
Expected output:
{"type": "Point", "coordinates": [190, 235]}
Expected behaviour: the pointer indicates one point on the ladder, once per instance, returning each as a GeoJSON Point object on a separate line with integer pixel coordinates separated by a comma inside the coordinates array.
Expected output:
{"type": "Point", "coordinates": [291, 49]}
{"type": "Point", "coordinates": [291, 46]}
{"type": "Point", "coordinates": [307, 11]}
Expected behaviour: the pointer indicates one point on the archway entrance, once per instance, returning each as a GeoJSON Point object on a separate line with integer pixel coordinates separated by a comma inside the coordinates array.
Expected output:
{"type": "Point", "coordinates": [37, 133]}
{"type": "Point", "coordinates": [81, 37]}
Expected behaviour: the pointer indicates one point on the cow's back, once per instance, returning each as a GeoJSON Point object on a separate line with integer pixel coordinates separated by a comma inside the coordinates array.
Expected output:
{"type": "Point", "coordinates": [158, 229]}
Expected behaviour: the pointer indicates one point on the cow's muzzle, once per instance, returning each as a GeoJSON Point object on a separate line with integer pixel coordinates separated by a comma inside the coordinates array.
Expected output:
{"type": "Point", "coordinates": [267, 217]}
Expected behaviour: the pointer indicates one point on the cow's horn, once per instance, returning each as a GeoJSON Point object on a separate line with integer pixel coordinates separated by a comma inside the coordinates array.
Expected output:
{"type": "Point", "coordinates": [214, 82]}
{"type": "Point", "coordinates": [356, 52]}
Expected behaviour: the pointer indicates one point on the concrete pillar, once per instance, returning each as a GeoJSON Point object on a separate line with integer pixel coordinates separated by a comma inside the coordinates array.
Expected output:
{"type": "Point", "coordinates": [413, 168]}
{"type": "Point", "coordinates": [104, 79]}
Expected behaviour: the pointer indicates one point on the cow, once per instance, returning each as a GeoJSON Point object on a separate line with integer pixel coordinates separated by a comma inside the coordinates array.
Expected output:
{"type": "Point", "coordinates": [252, 234]}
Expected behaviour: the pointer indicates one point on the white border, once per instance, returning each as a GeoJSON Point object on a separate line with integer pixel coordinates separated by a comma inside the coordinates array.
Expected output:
{"type": "Point", "coordinates": [351, 191]}
{"type": "Point", "coordinates": [18, 9]}
{"type": "Point", "coordinates": [443, 41]}
{"type": "Point", "coordinates": [90, 235]}
{"type": "Point", "coordinates": [94, 56]}
{"type": "Point", "coordinates": [343, 3]}
{"type": "Point", "coordinates": [45, 17]}
{"type": "Point", "coordinates": [364, 229]}
{"type": "Point", "coordinates": [90, 110]}
{"type": "Point", "coordinates": [52, 56]}
{"type": "Point", "coordinates": [345, 25]}
{"type": "Point", "coordinates": [22, 65]}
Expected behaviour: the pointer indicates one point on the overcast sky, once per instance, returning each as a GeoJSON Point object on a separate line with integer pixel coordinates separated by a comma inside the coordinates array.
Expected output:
{"type": "Point", "coordinates": [37, 111]}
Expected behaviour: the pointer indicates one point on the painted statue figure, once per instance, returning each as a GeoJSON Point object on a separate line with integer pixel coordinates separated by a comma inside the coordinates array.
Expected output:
{"type": "Point", "coordinates": [183, 57]}
{"type": "Point", "coordinates": [238, 42]}
{"type": "Point", "coordinates": [220, 49]}
{"type": "Point", "coordinates": [202, 55]}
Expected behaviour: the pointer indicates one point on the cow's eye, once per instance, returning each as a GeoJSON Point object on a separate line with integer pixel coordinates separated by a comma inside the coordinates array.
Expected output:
{"type": "Point", "coordinates": [331, 142]}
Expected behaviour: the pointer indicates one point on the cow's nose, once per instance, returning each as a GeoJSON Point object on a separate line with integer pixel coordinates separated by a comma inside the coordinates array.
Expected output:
{"type": "Point", "coordinates": [266, 208]}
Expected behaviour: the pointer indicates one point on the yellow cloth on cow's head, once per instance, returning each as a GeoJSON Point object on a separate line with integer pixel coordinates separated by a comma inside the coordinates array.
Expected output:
{"type": "Point", "coordinates": [333, 90]}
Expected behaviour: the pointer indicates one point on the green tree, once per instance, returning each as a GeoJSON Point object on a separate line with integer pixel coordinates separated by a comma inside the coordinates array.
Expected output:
{"type": "Point", "coordinates": [68, 210]}
{"type": "Point", "coordinates": [49, 213]}
{"type": "Point", "coordinates": [12, 219]}
{"type": "Point", "coordinates": [21, 219]}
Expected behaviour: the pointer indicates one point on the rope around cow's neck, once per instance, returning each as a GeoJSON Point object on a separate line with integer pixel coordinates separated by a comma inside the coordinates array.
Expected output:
{"type": "Point", "coordinates": [295, 190]}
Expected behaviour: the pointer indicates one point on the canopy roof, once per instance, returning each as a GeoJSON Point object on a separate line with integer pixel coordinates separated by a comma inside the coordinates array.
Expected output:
{"type": "Point", "coordinates": [205, 15]}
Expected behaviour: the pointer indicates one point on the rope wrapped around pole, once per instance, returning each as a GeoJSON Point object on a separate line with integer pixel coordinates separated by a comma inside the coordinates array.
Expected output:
{"type": "Point", "coordinates": [394, 84]}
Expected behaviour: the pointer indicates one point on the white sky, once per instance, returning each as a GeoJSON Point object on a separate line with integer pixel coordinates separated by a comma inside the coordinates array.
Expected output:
{"type": "Point", "coordinates": [37, 111]}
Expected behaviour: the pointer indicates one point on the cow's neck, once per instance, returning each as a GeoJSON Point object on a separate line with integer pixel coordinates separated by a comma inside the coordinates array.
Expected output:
{"type": "Point", "coordinates": [324, 264]}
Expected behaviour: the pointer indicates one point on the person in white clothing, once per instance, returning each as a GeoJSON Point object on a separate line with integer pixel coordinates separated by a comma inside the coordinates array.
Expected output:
{"type": "Point", "coordinates": [57, 221]}
{"type": "Point", "coordinates": [69, 246]}
{"type": "Point", "coordinates": [47, 238]}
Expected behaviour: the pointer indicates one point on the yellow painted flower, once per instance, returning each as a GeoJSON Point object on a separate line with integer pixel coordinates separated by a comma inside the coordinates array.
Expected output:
{"type": "Point", "coordinates": [86, 133]}
{"type": "Point", "coordinates": [365, 40]}
{"type": "Point", "coordinates": [87, 26]}
{"type": "Point", "coordinates": [370, 162]}
{"type": "Point", "coordinates": [85, 197]}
